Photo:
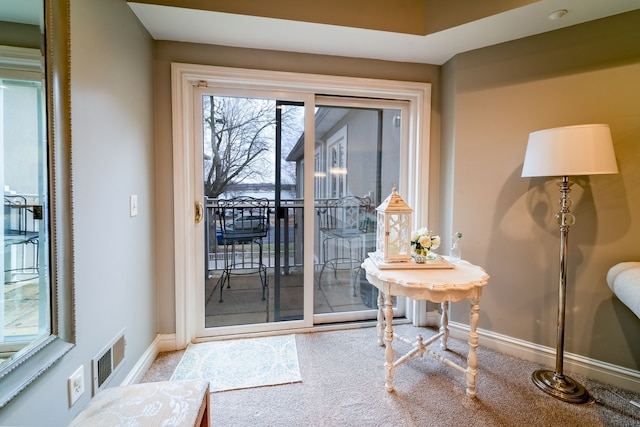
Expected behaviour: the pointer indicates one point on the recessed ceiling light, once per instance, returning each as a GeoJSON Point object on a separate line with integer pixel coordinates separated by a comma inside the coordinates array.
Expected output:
{"type": "Point", "coordinates": [558, 14]}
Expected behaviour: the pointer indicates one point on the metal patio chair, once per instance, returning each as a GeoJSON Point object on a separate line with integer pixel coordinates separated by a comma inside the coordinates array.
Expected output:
{"type": "Point", "coordinates": [243, 222]}
{"type": "Point", "coordinates": [345, 227]}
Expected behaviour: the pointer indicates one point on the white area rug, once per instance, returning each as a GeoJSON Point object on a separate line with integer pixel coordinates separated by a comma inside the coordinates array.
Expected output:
{"type": "Point", "coordinates": [242, 363]}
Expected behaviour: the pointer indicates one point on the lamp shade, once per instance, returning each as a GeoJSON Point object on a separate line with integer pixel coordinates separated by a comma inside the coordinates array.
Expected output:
{"type": "Point", "coordinates": [570, 150]}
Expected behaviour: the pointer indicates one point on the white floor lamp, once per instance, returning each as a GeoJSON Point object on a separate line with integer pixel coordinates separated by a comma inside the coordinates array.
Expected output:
{"type": "Point", "coordinates": [563, 152]}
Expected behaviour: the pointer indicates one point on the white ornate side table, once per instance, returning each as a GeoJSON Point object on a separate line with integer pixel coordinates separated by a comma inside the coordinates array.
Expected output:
{"type": "Point", "coordinates": [443, 285]}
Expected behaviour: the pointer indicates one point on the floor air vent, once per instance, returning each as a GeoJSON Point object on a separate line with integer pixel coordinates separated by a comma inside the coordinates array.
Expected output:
{"type": "Point", "coordinates": [107, 362]}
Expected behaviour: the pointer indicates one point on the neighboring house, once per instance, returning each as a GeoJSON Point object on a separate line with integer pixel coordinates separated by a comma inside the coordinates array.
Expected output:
{"type": "Point", "coordinates": [484, 104]}
{"type": "Point", "coordinates": [351, 144]}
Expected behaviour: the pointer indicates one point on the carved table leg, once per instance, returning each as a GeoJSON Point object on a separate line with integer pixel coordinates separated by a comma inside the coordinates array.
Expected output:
{"type": "Point", "coordinates": [380, 325]}
{"type": "Point", "coordinates": [472, 359]}
{"type": "Point", "coordinates": [388, 338]}
{"type": "Point", "coordinates": [444, 325]}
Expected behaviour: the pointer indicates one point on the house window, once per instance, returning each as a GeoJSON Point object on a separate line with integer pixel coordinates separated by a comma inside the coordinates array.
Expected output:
{"type": "Point", "coordinates": [24, 300]}
{"type": "Point", "coordinates": [320, 174]}
{"type": "Point", "coordinates": [337, 170]}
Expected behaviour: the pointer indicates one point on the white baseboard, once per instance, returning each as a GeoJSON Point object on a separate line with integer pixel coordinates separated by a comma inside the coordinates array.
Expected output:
{"type": "Point", "coordinates": [602, 371]}
{"type": "Point", "coordinates": [160, 343]}
{"type": "Point", "coordinates": [167, 342]}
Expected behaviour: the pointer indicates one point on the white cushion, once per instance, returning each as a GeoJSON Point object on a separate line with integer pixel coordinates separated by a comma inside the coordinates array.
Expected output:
{"type": "Point", "coordinates": [165, 403]}
{"type": "Point", "coordinates": [624, 281]}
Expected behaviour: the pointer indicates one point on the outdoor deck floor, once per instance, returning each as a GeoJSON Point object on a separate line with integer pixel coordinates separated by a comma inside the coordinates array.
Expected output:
{"type": "Point", "coordinates": [243, 304]}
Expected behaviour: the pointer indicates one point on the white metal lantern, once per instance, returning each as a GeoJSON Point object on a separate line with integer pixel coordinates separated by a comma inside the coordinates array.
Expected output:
{"type": "Point", "coordinates": [393, 241]}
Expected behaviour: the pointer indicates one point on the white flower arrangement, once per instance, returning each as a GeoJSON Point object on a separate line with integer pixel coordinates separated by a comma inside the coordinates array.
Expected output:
{"type": "Point", "coordinates": [424, 241]}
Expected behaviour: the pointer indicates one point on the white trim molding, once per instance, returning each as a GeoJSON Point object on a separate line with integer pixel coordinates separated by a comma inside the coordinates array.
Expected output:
{"type": "Point", "coordinates": [160, 344]}
{"type": "Point", "coordinates": [21, 59]}
{"type": "Point", "coordinates": [595, 369]}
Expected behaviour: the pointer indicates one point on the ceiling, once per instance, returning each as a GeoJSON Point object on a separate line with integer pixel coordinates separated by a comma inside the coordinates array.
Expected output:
{"type": "Point", "coordinates": [228, 29]}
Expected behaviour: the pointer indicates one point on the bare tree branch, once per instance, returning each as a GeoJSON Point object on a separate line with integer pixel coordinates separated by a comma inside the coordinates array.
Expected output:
{"type": "Point", "coordinates": [239, 136]}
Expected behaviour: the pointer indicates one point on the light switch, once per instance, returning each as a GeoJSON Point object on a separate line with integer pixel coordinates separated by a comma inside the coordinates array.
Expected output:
{"type": "Point", "coordinates": [133, 205]}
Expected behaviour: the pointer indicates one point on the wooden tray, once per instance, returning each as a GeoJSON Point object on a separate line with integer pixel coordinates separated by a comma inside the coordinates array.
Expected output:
{"type": "Point", "coordinates": [438, 262]}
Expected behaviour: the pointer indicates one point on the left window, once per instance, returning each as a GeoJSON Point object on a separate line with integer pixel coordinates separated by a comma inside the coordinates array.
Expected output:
{"type": "Point", "coordinates": [35, 54]}
{"type": "Point", "coordinates": [25, 298]}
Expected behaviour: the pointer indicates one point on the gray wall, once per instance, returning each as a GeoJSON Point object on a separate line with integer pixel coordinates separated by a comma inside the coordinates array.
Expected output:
{"type": "Point", "coordinates": [494, 98]}
{"type": "Point", "coordinates": [113, 157]}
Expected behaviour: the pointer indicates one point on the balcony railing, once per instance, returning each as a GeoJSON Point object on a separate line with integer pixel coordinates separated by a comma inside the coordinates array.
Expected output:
{"type": "Point", "coordinates": [289, 214]}
{"type": "Point", "coordinates": [289, 217]}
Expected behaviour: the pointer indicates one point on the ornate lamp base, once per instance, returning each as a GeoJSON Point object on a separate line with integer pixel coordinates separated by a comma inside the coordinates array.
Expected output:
{"type": "Point", "coordinates": [560, 386]}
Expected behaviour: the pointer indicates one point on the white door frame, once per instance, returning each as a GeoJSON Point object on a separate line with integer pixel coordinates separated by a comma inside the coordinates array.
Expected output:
{"type": "Point", "coordinates": [184, 77]}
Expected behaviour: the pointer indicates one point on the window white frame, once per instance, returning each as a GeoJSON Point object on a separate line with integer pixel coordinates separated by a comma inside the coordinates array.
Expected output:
{"type": "Point", "coordinates": [319, 172]}
{"type": "Point", "coordinates": [186, 77]}
{"type": "Point", "coordinates": [337, 164]}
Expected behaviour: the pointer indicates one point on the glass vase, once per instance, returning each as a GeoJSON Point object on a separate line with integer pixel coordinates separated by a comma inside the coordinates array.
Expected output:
{"type": "Point", "coordinates": [455, 253]}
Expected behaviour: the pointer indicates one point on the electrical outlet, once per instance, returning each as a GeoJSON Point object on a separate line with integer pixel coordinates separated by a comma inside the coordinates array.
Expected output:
{"type": "Point", "coordinates": [75, 384]}
{"type": "Point", "coordinates": [133, 205]}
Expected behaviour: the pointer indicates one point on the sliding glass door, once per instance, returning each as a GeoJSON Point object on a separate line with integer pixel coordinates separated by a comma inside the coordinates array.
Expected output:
{"type": "Point", "coordinates": [284, 184]}
{"type": "Point", "coordinates": [254, 271]}
{"type": "Point", "coordinates": [354, 138]}
{"type": "Point", "coordinates": [251, 150]}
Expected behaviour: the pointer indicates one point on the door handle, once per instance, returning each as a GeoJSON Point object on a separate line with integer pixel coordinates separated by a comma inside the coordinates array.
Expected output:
{"type": "Point", "coordinates": [199, 212]}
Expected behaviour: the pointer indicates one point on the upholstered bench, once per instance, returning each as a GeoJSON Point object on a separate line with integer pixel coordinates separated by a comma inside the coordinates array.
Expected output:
{"type": "Point", "coordinates": [624, 281]}
{"type": "Point", "coordinates": [165, 403]}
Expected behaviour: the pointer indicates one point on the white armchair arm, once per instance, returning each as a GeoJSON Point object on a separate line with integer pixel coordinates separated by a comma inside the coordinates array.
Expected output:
{"type": "Point", "coordinates": [624, 281]}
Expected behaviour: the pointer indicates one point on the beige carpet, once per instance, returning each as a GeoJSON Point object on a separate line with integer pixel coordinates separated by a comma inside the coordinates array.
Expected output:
{"type": "Point", "coordinates": [343, 385]}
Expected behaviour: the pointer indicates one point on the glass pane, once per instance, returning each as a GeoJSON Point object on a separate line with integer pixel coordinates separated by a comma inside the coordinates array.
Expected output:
{"type": "Point", "coordinates": [352, 144]}
{"type": "Point", "coordinates": [24, 302]}
{"type": "Point", "coordinates": [254, 269]}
